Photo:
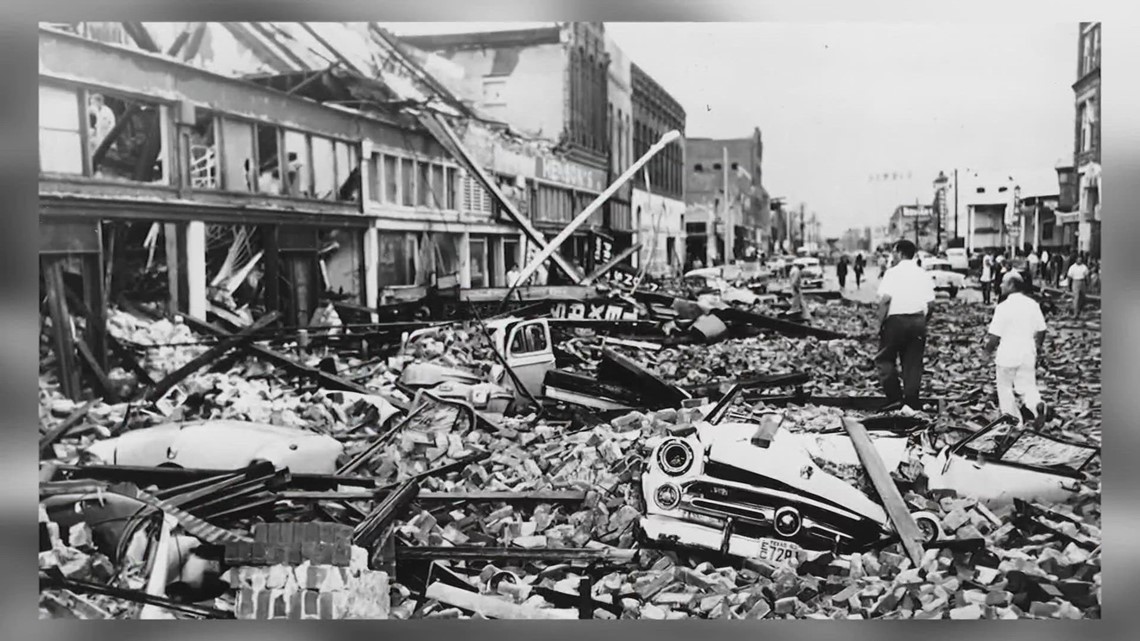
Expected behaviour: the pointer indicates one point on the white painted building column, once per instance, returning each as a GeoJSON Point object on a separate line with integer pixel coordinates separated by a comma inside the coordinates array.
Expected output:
{"type": "Point", "coordinates": [372, 269]}
{"type": "Point", "coordinates": [1037, 228]}
{"type": "Point", "coordinates": [970, 229]}
{"type": "Point", "coordinates": [196, 268]}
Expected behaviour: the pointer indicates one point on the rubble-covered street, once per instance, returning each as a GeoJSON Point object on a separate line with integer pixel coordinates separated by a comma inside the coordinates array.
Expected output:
{"type": "Point", "coordinates": [458, 512]}
{"type": "Point", "coordinates": [405, 321]}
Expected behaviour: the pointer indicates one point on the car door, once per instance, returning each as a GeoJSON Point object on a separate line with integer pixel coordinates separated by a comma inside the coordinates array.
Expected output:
{"type": "Point", "coordinates": [529, 353]}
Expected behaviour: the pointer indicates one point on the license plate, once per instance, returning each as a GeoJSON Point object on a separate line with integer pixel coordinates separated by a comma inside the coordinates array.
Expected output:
{"type": "Point", "coordinates": [775, 551]}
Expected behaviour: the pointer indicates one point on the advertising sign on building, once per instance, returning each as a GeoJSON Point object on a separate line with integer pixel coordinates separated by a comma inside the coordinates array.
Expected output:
{"type": "Point", "coordinates": [570, 174]}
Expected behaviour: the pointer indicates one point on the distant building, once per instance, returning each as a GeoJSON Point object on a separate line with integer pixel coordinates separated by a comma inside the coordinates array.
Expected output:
{"type": "Point", "coordinates": [748, 202]}
{"type": "Point", "coordinates": [915, 223]}
{"type": "Point", "coordinates": [659, 205]}
{"type": "Point", "coordinates": [1086, 155]}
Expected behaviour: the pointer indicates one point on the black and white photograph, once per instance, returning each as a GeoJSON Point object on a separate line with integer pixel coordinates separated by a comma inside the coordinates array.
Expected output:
{"type": "Point", "coordinates": [569, 320]}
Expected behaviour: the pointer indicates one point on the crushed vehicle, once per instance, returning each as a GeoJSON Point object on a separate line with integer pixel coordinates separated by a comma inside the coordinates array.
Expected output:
{"type": "Point", "coordinates": [946, 278]}
{"type": "Point", "coordinates": [754, 491]}
{"type": "Point", "coordinates": [221, 444]}
{"type": "Point", "coordinates": [1002, 462]}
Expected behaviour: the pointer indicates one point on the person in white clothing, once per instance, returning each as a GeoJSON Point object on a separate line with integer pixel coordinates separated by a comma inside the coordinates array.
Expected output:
{"type": "Point", "coordinates": [987, 277]}
{"type": "Point", "coordinates": [1078, 281]}
{"type": "Point", "coordinates": [1034, 262]}
{"type": "Point", "coordinates": [906, 293]}
{"type": "Point", "coordinates": [513, 275]}
{"type": "Point", "coordinates": [1015, 337]}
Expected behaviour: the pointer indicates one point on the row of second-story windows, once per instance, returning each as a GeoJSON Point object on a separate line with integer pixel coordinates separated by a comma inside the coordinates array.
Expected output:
{"type": "Point", "coordinates": [240, 156]}
{"type": "Point", "coordinates": [111, 136]}
{"type": "Point", "coordinates": [103, 135]}
{"type": "Point", "coordinates": [395, 179]}
{"type": "Point", "coordinates": [666, 169]}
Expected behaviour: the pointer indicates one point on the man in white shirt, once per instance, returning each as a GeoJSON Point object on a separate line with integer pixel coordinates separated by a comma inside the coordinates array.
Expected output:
{"type": "Point", "coordinates": [1034, 262]}
{"type": "Point", "coordinates": [906, 293]}
{"type": "Point", "coordinates": [1017, 332]}
{"type": "Point", "coordinates": [513, 275]}
{"type": "Point", "coordinates": [1078, 281]}
{"type": "Point", "coordinates": [987, 277]}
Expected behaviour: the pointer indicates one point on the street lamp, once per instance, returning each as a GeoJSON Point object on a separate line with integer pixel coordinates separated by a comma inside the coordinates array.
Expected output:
{"type": "Point", "coordinates": [940, 200]}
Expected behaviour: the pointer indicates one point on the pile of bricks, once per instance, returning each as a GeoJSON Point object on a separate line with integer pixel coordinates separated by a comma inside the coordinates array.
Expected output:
{"type": "Point", "coordinates": [306, 571]}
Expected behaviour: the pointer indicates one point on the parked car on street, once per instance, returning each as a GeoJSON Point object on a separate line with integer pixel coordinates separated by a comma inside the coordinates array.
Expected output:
{"type": "Point", "coordinates": [945, 278]}
{"type": "Point", "coordinates": [959, 259]}
{"type": "Point", "coordinates": [813, 272]}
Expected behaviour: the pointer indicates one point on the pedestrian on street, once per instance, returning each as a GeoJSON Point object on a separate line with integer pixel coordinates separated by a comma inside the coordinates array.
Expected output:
{"type": "Point", "coordinates": [1034, 262]}
{"type": "Point", "coordinates": [513, 275]}
{"type": "Point", "coordinates": [798, 304]}
{"type": "Point", "coordinates": [987, 277]}
{"type": "Point", "coordinates": [1017, 332]}
{"type": "Point", "coordinates": [1044, 268]}
{"type": "Point", "coordinates": [1055, 269]}
{"type": "Point", "coordinates": [860, 265]}
{"type": "Point", "coordinates": [883, 260]}
{"type": "Point", "coordinates": [1078, 283]}
{"type": "Point", "coordinates": [906, 294]}
{"type": "Point", "coordinates": [1000, 267]}
{"type": "Point", "coordinates": [841, 271]}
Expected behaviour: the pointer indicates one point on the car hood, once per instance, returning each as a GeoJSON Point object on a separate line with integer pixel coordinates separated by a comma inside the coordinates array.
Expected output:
{"type": "Point", "coordinates": [786, 460]}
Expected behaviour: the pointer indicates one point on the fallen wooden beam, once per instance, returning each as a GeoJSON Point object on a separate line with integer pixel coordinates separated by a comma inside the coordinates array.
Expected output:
{"type": "Point", "coordinates": [135, 596]}
{"type": "Point", "coordinates": [492, 607]}
{"type": "Point", "coordinates": [475, 496]}
{"type": "Point", "coordinates": [100, 376]}
{"type": "Point", "coordinates": [49, 439]}
{"type": "Point", "coordinates": [900, 516]}
{"type": "Point", "coordinates": [369, 531]}
{"type": "Point", "coordinates": [498, 554]}
{"type": "Point", "coordinates": [166, 477]}
{"type": "Point", "coordinates": [226, 344]}
{"type": "Point", "coordinates": [326, 380]}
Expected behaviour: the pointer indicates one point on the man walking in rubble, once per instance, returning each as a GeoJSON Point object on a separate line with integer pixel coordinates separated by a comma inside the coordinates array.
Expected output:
{"type": "Point", "coordinates": [860, 265]}
{"type": "Point", "coordinates": [1017, 332]}
{"type": "Point", "coordinates": [906, 294]}
{"type": "Point", "coordinates": [798, 304]}
{"type": "Point", "coordinates": [1078, 283]}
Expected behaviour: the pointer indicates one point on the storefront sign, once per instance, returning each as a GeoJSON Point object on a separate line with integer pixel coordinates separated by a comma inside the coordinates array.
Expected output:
{"type": "Point", "coordinates": [570, 174]}
{"type": "Point", "coordinates": [592, 311]}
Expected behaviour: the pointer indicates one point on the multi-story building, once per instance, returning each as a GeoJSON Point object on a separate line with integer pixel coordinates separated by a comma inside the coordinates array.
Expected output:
{"type": "Point", "coordinates": [1086, 154]}
{"type": "Point", "coordinates": [710, 166]}
{"type": "Point", "coordinates": [659, 204]}
{"type": "Point", "coordinates": [552, 82]}
{"type": "Point", "coordinates": [915, 223]}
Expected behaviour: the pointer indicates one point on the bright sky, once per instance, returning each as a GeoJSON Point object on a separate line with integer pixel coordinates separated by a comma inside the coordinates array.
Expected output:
{"type": "Point", "coordinates": [839, 102]}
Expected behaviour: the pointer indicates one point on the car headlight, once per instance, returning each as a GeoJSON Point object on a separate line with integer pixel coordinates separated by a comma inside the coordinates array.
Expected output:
{"type": "Point", "coordinates": [667, 497]}
{"type": "Point", "coordinates": [787, 521]}
{"type": "Point", "coordinates": [675, 457]}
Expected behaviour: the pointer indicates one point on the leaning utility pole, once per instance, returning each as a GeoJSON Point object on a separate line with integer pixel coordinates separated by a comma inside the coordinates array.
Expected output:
{"type": "Point", "coordinates": [729, 228]}
{"type": "Point", "coordinates": [803, 237]}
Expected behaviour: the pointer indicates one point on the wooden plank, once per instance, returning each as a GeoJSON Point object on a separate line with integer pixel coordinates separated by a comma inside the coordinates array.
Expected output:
{"type": "Point", "coordinates": [497, 554]}
{"type": "Point", "coordinates": [61, 328]}
{"type": "Point", "coordinates": [60, 430]}
{"type": "Point", "coordinates": [476, 496]}
{"type": "Point", "coordinates": [100, 375]}
{"type": "Point", "coordinates": [788, 328]}
{"type": "Point", "coordinates": [629, 373]}
{"type": "Point", "coordinates": [896, 508]}
{"type": "Point", "coordinates": [244, 336]}
{"type": "Point", "coordinates": [326, 380]}
{"type": "Point", "coordinates": [492, 607]}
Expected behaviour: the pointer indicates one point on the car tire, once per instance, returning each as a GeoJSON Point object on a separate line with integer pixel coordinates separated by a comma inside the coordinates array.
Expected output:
{"type": "Point", "coordinates": [929, 524]}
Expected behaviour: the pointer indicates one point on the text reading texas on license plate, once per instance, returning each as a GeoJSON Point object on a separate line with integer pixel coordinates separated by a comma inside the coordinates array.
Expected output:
{"type": "Point", "coordinates": [776, 551]}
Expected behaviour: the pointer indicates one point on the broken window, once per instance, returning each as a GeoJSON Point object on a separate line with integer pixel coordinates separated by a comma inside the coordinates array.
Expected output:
{"type": "Point", "coordinates": [324, 169]}
{"type": "Point", "coordinates": [396, 263]}
{"type": "Point", "coordinates": [269, 179]}
{"type": "Point", "coordinates": [407, 182]}
{"type": "Point", "coordinates": [478, 262]}
{"type": "Point", "coordinates": [423, 176]}
{"type": "Point", "coordinates": [204, 173]}
{"type": "Point", "coordinates": [452, 188]}
{"type": "Point", "coordinates": [347, 172]}
{"type": "Point", "coordinates": [438, 187]}
{"type": "Point", "coordinates": [238, 159]}
{"type": "Point", "coordinates": [126, 140]}
{"type": "Point", "coordinates": [391, 178]}
{"type": "Point", "coordinates": [298, 179]}
{"type": "Point", "coordinates": [341, 262]}
{"type": "Point", "coordinates": [61, 139]}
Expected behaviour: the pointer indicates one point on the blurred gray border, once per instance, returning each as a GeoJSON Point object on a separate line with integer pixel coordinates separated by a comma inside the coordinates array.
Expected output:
{"type": "Point", "coordinates": [18, 324]}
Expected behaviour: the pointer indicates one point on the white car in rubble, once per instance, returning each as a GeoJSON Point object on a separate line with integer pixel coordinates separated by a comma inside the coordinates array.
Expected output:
{"type": "Point", "coordinates": [945, 278]}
